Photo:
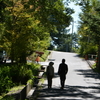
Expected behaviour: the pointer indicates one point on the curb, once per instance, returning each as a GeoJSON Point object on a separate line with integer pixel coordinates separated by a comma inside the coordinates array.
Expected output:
{"type": "Point", "coordinates": [32, 92]}
{"type": "Point", "coordinates": [89, 62]}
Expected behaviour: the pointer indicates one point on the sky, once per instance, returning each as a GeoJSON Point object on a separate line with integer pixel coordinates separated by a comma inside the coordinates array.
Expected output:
{"type": "Point", "coordinates": [75, 16]}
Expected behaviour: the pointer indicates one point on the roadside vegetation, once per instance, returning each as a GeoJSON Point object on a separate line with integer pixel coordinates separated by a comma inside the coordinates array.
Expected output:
{"type": "Point", "coordinates": [15, 76]}
{"type": "Point", "coordinates": [27, 27]}
{"type": "Point", "coordinates": [89, 28]}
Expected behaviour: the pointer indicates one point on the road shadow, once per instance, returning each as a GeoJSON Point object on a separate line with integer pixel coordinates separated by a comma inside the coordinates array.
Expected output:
{"type": "Point", "coordinates": [68, 93]}
{"type": "Point", "coordinates": [77, 55]}
{"type": "Point", "coordinates": [88, 73]}
{"type": "Point", "coordinates": [71, 92]}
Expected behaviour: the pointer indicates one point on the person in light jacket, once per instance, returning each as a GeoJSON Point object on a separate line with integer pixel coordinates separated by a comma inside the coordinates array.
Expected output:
{"type": "Point", "coordinates": [50, 74]}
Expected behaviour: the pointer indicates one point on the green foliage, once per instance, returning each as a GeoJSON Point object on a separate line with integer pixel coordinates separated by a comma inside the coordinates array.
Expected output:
{"type": "Point", "coordinates": [2, 7]}
{"type": "Point", "coordinates": [95, 69]}
{"type": "Point", "coordinates": [60, 36]}
{"type": "Point", "coordinates": [34, 68]}
{"type": "Point", "coordinates": [45, 55]}
{"type": "Point", "coordinates": [88, 49]}
{"type": "Point", "coordinates": [27, 25]}
{"type": "Point", "coordinates": [8, 98]}
{"type": "Point", "coordinates": [5, 79]}
{"type": "Point", "coordinates": [15, 89]}
{"type": "Point", "coordinates": [23, 33]}
{"type": "Point", "coordinates": [91, 49]}
{"type": "Point", "coordinates": [22, 73]}
{"type": "Point", "coordinates": [64, 42]}
{"type": "Point", "coordinates": [11, 75]}
{"type": "Point", "coordinates": [89, 27]}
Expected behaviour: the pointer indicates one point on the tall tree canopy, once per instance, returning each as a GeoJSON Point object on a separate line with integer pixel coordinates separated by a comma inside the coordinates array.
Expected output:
{"type": "Point", "coordinates": [89, 29]}
{"type": "Point", "coordinates": [28, 23]}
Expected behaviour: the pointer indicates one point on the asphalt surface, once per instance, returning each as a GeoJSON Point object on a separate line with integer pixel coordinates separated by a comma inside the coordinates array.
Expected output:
{"type": "Point", "coordinates": [81, 82]}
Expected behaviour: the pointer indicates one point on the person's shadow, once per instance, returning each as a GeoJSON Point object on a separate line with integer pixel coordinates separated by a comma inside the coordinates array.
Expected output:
{"type": "Point", "coordinates": [67, 93]}
{"type": "Point", "coordinates": [72, 92]}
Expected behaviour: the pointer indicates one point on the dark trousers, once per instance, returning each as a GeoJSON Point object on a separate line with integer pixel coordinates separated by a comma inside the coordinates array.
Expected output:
{"type": "Point", "coordinates": [49, 78]}
{"type": "Point", "coordinates": [62, 80]}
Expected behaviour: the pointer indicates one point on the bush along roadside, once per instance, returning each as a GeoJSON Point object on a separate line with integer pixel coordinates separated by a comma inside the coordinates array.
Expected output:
{"type": "Point", "coordinates": [15, 75]}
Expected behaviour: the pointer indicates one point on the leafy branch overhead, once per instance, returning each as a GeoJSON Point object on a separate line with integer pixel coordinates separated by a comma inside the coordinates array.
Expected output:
{"type": "Point", "coordinates": [89, 28]}
{"type": "Point", "coordinates": [27, 25]}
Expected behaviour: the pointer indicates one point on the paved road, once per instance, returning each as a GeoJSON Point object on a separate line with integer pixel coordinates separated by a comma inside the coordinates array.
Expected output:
{"type": "Point", "coordinates": [81, 82]}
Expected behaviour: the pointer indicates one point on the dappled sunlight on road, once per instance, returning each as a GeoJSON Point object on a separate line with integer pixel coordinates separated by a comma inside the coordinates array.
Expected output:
{"type": "Point", "coordinates": [69, 93]}
{"type": "Point", "coordinates": [81, 82]}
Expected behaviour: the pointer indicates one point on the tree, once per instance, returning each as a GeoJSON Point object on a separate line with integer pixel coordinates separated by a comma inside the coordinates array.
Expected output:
{"type": "Point", "coordinates": [2, 7]}
{"type": "Point", "coordinates": [59, 36]}
{"type": "Point", "coordinates": [57, 17]}
{"type": "Point", "coordinates": [27, 25]}
{"type": "Point", "coordinates": [22, 32]}
{"type": "Point", "coordinates": [90, 21]}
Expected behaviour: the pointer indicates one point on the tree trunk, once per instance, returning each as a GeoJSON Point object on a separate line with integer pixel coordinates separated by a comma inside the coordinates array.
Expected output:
{"type": "Point", "coordinates": [12, 53]}
{"type": "Point", "coordinates": [98, 58]}
{"type": "Point", "coordinates": [23, 58]}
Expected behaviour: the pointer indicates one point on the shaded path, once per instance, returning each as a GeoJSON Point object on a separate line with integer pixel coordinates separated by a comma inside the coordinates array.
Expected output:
{"type": "Point", "coordinates": [81, 84]}
{"type": "Point", "coordinates": [69, 93]}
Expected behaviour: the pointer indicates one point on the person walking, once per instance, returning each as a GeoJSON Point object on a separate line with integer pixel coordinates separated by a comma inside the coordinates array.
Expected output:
{"type": "Point", "coordinates": [50, 74]}
{"type": "Point", "coordinates": [37, 59]}
{"type": "Point", "coordinates": [62, 71]}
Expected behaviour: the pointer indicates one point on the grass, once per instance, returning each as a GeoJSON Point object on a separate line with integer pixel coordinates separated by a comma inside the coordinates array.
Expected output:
{"type": "Point", "coordinates": [15, 89]}
{"type": "Point", "coordinates": [95, 69]}
{"type": "Point", "coordinates": [7, 98]}
{"type": "Point", "coordinates": [45, 55]}
{"type": "Point", "coordinates": [11, 91]}
{"type": "Point", "coordinates": [42, 58]}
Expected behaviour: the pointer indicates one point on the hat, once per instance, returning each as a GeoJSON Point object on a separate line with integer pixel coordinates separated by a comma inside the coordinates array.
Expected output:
{"type": "Point", "coordinates": [51, 63]}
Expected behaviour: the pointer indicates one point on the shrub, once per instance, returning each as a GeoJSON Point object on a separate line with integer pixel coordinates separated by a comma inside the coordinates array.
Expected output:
{"type": "Point", "coordinates": [34, 68]}
{"type": "Point", "coordinates": [8, 98]}
{"type": "Point", "coordinates": [16, 74]}
{"type": "Point", "coordinates": [25, 74]}
{"type": "Point", "coordinates": [21, 73]}
{"type": "Point", "coordinates": [5, 79]}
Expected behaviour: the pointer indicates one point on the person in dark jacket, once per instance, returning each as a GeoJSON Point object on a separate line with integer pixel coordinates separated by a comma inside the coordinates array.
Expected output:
{"type": "Point", "coordinates": [50, 74]}
{"type": "Point", "coordinates": [62, 71]}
